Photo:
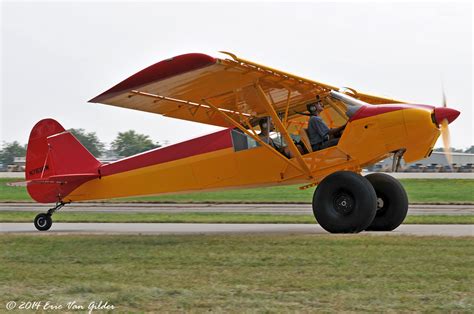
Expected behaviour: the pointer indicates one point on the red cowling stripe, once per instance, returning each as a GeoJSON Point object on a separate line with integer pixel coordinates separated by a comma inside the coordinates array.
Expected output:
{"type": "Point", "coordinates": [370, 110]}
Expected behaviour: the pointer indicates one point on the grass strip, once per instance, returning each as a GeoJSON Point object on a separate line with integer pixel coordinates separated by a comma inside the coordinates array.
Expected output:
{"type": "Point", "coordinates": [7, 216]}
{"type": "Point", "coordinates": [241, 273]}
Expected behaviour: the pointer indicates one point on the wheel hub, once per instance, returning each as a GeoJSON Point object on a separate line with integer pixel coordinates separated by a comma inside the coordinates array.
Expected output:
{"type": "Point", "coordinates": [41, 222]}
{"type": "Point", "coordinates": [344, 203]}
{"type": "Point", "coordinates": [380, 203]}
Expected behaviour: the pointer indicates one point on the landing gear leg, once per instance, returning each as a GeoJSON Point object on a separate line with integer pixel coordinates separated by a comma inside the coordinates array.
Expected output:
{"type": "Point", "coordinates": [397, 157]}
{"type": "Point", "coordinates": [43, 221]}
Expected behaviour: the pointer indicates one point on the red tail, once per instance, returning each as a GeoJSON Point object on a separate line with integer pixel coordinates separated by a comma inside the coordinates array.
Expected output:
{"type": "Point", "coordinates": [56, 163]}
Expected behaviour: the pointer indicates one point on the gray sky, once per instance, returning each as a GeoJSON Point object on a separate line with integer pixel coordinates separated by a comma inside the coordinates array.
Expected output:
{"type": "Point", "coordinates": [56, 56]}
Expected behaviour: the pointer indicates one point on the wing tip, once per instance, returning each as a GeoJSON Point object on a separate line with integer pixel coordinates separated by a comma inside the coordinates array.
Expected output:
{"type": "Point", "coordinates": [158, 71]}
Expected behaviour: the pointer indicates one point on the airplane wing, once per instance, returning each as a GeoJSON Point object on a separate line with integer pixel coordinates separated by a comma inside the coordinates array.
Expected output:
{"type": "Point", "coordinates": [180, 87]}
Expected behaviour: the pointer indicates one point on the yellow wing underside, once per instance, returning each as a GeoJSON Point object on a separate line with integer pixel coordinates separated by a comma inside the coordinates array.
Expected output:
{"type": "Point", "coordinates": [231, 86]}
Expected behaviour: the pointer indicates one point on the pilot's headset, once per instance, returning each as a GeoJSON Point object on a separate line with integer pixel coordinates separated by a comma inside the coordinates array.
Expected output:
{"type": "Point", "coordinates": [311, 108]}
{"type": "Point", "coordinates": [264, 124]}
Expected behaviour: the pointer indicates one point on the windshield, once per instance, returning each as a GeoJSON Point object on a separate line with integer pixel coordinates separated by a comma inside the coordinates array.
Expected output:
{"type": "Point", "coordinates": [351, 104]}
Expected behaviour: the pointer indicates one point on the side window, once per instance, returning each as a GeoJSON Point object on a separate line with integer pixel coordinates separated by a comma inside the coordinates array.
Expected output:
{"type": "Point", "coordinates": [242, 141]}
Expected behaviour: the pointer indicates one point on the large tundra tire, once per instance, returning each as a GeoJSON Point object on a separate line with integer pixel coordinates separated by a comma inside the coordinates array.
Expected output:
{"type": "Point", "coordinates": [392, 202]}
{"type": "Point", "coordinates": [344, 202]}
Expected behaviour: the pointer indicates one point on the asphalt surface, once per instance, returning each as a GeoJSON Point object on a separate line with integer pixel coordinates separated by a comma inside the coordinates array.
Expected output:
{"type": "Point", "coordinates": [187, 228]}
{"type": "Point", "coordinates": [280, 209]}
{"type": "Point", "coordinates": [200, 228]}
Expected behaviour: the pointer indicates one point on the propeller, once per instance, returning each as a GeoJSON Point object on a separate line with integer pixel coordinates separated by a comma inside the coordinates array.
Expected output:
{"type": "Point", "coordinates": [446, 141]}
{"type": "Point", "coordinates": [444, 116]}
{"type": "Point", "coordinates": [444, 127]}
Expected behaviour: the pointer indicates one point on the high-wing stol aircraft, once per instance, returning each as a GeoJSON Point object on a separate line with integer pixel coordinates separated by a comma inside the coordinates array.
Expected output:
{"type": "Point", "coordinates": [236, 94]}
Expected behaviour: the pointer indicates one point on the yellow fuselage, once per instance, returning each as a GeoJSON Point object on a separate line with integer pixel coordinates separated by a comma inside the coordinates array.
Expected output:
{"type": "Point", "coordinates": [364, 142]}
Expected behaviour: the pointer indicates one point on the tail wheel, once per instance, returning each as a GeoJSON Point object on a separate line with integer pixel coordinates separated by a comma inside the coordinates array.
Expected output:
{"type": "Point", "coordinates": [344, 202]}
{"type": "Point", "coordinates": [43, 222]}
{"type": "Point", "coordinates": [392, 202]}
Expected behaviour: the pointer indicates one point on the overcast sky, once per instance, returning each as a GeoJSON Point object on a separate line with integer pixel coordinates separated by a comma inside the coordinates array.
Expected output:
{"type": "Point", "coordinates": [56, 56]}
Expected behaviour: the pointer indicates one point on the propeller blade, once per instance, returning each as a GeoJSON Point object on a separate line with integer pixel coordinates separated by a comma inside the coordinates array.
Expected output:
{"type": "Point", "coordinates": [446, 141]}
{"type": "Point", "coordinates": [445, 102]}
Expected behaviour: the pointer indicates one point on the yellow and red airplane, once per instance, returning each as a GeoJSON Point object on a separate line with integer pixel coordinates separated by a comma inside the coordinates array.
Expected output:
{"type": "Point", "coordinates": [234, 93]}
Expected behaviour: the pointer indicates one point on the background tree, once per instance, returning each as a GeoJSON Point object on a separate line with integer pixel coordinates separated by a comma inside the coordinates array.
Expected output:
{"type": "Point", "coordinates": [454, 150]}
{"type": "Point", "coordinates": [10, 151]}
{"type": "Point", "coordinates": [470, 150]}
{"type": "Point", "coordinates": [89, 140]}
{"type": "Point", "coordinates": [130, 143]}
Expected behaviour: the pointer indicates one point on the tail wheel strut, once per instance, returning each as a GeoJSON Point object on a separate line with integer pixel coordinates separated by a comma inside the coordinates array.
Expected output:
{"type": "Point", "coordinates": [44, 221]}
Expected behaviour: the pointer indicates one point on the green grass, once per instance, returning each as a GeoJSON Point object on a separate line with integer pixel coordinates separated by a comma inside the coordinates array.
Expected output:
{"type": "Point", "coordinates": [419, 191]}
{"type": "Point", "coordinates": [64, 216]}
{"type": "Point", "coordinates": [236, 273]}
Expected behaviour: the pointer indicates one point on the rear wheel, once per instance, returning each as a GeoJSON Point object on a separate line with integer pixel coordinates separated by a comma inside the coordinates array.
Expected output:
{"type": "Point", "coordinates": [344, 202]}
{"type": "Point", "coordinates": [392, 202]}
{"type": "Point", "coordinates": [43, 222]}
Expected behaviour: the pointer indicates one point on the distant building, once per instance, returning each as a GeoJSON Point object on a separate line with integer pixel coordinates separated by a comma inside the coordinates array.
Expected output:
{"type": "Point", "coordinates": [18, 165]}
{"type": "Point", "coordinates": [437, 162]}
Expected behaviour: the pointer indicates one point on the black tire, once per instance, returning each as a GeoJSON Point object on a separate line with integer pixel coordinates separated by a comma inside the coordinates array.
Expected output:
{"type": "Point", "coordinates": [392, 202]}
{"type": "Point", "coordinates": [43, 222]}
{"type": "Point", "coordinates": [344, 202]}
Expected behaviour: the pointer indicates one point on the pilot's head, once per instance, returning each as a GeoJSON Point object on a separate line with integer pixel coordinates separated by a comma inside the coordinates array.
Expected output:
{"type": "Point", "coordinates": [314, 108]}
{"type": "Point", "coordinates": [265, 124]}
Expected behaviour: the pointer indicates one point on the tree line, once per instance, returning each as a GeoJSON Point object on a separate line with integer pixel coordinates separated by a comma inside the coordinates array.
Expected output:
{"type": "Point", "coordinates": [125, 144]}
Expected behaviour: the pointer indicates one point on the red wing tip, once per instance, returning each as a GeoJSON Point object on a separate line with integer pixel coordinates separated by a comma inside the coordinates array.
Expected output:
{"type": "Point", "coordinates": [158, 71]}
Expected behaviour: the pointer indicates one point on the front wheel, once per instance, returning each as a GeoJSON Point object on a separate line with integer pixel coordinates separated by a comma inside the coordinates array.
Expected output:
{"type": "Point", "coordinates": [344, 202]}
{"type": "Point", "coordinates": [43, 222]}
{"type": "Point", "coordinates": [392, 202]}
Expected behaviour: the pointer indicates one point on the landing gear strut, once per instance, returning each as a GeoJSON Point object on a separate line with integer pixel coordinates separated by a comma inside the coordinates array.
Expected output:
{"type": "Point", "coordinates": [43, 221]}
{"type": "Point", "coordinates": [397, 157]}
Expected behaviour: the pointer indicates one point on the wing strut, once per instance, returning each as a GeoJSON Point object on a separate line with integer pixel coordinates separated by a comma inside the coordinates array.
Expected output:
{"type": "Point", "coordinates": [289, 141]}
{"type": "Point", "coordinates": [285, 119]}
{"type": "Point", "coordinates": [255, 137]}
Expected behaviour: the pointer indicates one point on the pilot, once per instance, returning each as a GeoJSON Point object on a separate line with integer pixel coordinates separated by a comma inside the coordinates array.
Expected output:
{"type": "Point", "coordinates": [320, 135]}
{"type": "Point", "coordinates": [266, 126]}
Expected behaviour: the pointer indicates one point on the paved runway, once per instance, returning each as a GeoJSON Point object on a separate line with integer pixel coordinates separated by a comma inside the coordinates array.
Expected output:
{"type": "Point", "coordinates": [280, 209]}
{"type": "Point", "coordinates": [192, 228]}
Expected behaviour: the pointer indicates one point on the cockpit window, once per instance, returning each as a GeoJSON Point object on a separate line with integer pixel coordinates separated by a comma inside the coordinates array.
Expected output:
{"type": "Point", "coordinates": [242, 141]}
{"type": "Point", "coordinates": [351, 109]}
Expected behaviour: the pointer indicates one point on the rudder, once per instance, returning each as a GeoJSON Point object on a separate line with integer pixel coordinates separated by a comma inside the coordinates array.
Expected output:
{"type": "Point", "coordinates": [56, 155]}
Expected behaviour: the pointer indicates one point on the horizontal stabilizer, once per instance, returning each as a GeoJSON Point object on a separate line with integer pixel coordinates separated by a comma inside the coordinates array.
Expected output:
{"type": "Point", "coordinates": [59, 179]}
